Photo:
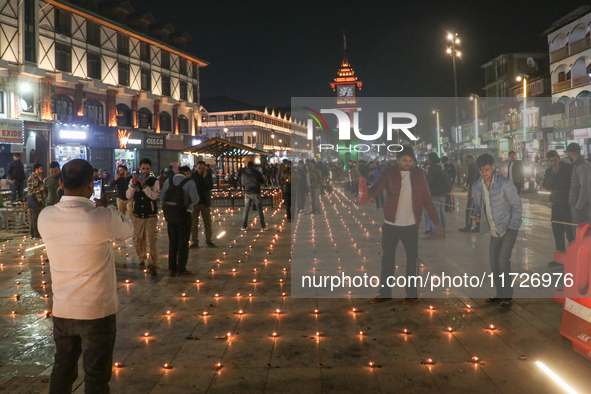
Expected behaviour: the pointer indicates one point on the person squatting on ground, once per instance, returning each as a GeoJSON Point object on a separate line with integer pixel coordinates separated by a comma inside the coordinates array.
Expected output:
{"type": "Point", "coordinates": [497, 207]}
{"type": "Point", "coordinates": [78, 236]}
{"type": "Point", "coordinates": [407, 194]}
{"type": "Point", "coordinates": [143, 189]}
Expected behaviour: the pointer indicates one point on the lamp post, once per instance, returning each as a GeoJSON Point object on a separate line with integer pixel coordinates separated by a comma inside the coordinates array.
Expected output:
{"type": "Point", "coordinates": [519, 78]}
{"type": "Point", "coordinates": [454, 39]}
{"type": "Point", "coordinates": [436, 113]}
{"type": "Point", "coordinates": [474, 97]}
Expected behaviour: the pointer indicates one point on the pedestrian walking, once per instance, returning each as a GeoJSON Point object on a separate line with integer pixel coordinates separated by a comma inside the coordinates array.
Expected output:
{"type": "Point", "coordinates": [374, 173]}
{"type": "Point", "coordinates": [497, 207]}
{"type": "Point", "coordinates": [302, 190]}
{"type": "Point", "coordinates": [579, 196]}
{"type": "Point", "coordinates": [472, 176]}
{"type": "Point", "coordinates": [450, 168]}
{"type": "Point", "coordinates": [143, 189]}
{"type": "Point", "coordinates": [557, 180]}
{"type": "Point", "coordinates": [439, 186]}
{"type": "Point", "coordinates": [178, 196]}
{"type": "Point", "coordinates": [315, 182]}
{"type": "Point", "coordinates": [285, 181]}
{"type": "Point", "coordinates": [78, 238]}
{"type": "Point", "coordinates": [407, 194]}
{"type": "Point", "coordinates": [121, 183]}
{"type": "Point", "coordinates": [252, 181]}
{"type": "Point", "coordinates": [16, 174]}
{"type": "Point", "coordinates": [204, 183]}
{"type": "Point", "coordinates": [35, 197]}
{"type": "Point", "coordinates": [53, 191]}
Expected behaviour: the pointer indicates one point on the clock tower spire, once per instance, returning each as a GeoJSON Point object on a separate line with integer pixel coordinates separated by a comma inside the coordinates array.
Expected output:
{"type": "Point", "coordinates": [346, 84]}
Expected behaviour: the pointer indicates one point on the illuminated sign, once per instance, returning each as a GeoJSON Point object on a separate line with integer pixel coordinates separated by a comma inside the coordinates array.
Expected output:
{"type": "Point", "coordinates": [73, 135]}
{"type": "Point", "coordinates": [12, 131]}
{"type": "Point", "coordinates": [195, 142]}
{"type": "Point", "coordinates": [124, 139]}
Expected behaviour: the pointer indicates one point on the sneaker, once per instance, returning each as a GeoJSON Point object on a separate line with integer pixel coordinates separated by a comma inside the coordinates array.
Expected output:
{"type": "Point", "coordinates": [210, 243]}
{"type": "Point", "coordinates": [554, 264]}
{"type": "Point", "coordinates": [142, 264]}
{"type": "Point", "coordinates": [508, 302]}
{"type": "Point", "coordinates": [264, 228]}
{"type": "Point", "coordinates": [194, 246]}
{"type": "Point", "coordinates": [466, 229]}
{"type": "Point", "coordinates": [493, 299]}
{"type": "Point", "coordinates": [172, 273]}
{"type": "Point", "coordinates": [476, 229]}
{"type": "Point", "coordinates": [184, 273]}
{"type": "Point", "coordinates": [152, 271]}
{"type": "Point", "coordinates": [379, 300]}
{"type": "Point", "coordinates": [410, 300]}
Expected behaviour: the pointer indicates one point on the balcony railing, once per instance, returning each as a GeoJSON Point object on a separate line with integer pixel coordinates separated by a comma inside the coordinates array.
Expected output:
{"type": "Point", "coordinates": [580, 45]}
{"type": "Point", "coordinates": [560, 86]}
{"type": "Point", "coordinates": [582, 80]}
{"type": "Point", "coordinates": [559, 54]}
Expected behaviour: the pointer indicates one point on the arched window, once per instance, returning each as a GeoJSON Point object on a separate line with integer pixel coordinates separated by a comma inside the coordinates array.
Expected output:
{"type": "Point", "coordinates": [124, 115]}
{"type": "Point", "coordinates": [183, 125]}
{"type": "Point", "coordinates": [93, 112]}
{"type": "Point", "coordinates": [62, 105]}
{"type": "Point", "coordinates": [145, 118]}
{"type": "Point", "coordinates": [576, 108]}
{"type": "Point", "coordinates": [165, 121]}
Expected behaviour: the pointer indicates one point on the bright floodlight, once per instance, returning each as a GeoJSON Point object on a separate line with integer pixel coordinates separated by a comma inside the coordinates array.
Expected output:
{"type": "Point", "coordinates": [434, 112]}
{"type": "Point", "coordinates": [457, 40]}
{"type": "Point", "coordinates": [449, 36]}
{"type": "Point", "coordinates": [448, 50]}
{"type": "Point", "coordinates": [556, 378]}
{"type": "Point", "coordinates": [518, 78]}
{"type": "Point", "coordinates": [24, 87]}
{"type": "Point", "coordinates": [458, 54]}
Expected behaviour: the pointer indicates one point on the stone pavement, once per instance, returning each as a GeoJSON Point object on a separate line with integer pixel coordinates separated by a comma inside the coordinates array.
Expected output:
{"type": "Point", "coordinates": [280, 344]}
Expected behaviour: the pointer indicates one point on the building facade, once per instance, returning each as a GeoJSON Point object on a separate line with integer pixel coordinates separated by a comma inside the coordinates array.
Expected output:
{"type": "Point", "coordinates": [95, 80]}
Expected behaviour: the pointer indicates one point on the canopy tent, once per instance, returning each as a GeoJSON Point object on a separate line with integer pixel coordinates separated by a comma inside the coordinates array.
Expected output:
{"type": "Point", "coordinates": [225, 152]}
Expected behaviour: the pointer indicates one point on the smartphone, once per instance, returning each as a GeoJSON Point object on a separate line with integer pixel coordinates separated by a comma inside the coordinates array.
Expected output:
{"type": "Point", "coordinates": [141, 176]}
{"type": "Point", "coordinates": [97, 191]}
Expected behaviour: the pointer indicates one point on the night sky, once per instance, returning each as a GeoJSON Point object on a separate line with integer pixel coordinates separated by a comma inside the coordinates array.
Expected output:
{"type": "Point", "coordinates": [263, 53]}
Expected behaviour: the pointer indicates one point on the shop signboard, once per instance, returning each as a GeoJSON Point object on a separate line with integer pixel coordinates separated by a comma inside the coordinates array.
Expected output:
{"type": "Point", "coordinates": [154, 141]}
{"type": "Point", "coordinates": [12, 131]}
{"type": "Point", "coordinates": [129, 139]}
{"type": "Point", "coordinates": [175, 142]}
{"type": "Point", "coordinates": [71, 134]}
{"type": "Point", "coordinates": [104, 137]}
{"type": "Point", "coordinates": [581, 133]}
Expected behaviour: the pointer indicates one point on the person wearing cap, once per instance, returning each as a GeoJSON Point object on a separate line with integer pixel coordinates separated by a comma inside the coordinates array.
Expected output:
{"type": "Point", "coordinates": [407, 194]}
{"type": "Point", "coordinates": [579, 196]}
{"type": "Point", "coordinates": [179, 234]}
{"type": "Point", "coordinates": [15, 172]}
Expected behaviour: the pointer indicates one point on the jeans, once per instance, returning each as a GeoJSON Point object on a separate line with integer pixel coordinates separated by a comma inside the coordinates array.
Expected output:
{"type": "Point", "coordinates": [500, 262]}
{"type": "Point", "coordinates": [580, 216]}
{"type": "Point", "coordinates": [178, 245]}
{"type": "Point", "coordinates": [469, 212]}
{"type": "Point", "coordinates": [315, 197]}
{"type": "Point", "coordinates": [409, 235]}
{"type": "Point", "coordinates": [205, 212]}
{"type": "Point", "coordinates": [34, 220]}
{"type": "Point", "coordinates": [255, 199]}
{"type": "Point", "coordinates": [17, 188]}
{"type": "Point", "coordinates": [429, 226]}
{"type": "Point", "coordinates": [561, 213]}
{"type": "Point", "coordinates": [95, 340]}
{"type": "Point", "coordinates": [440, 207]}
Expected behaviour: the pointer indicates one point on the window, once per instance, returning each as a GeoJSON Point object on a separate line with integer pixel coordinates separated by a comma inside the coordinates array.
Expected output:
{"type": "Point", "coordinates": [195, 71]}
{"type": "Point", "coordinates": [93, 112]}
{"type": "Point", "coordinates": [195, 94]}
{"type": "Point", "coordinates": [165, 60]}
{"type": "Point", "coordinates": [93, 63]}
{"type": "Point", "coordinates": [540, 87]}
{"type": "Point", "coordinates": [123, 73]}
{"type": "Point", "coordinates": [165, 121]}
{"type": "Point", "coordinates": [183, 89]}
{"type": "Point", "coordinates": [93, 33]}
{"type": "Point", "coordinates": [145, 118]}
{"type": "Point", "coordinates": [124, 115]}
{"type": "Point", "coordinates": [30, 41]}
{"type": "Point", "coordinates": [63, 57]}
{"type": "Point", "coordinates": [27, 100]}
{"type": "Point", "coordinates": [144, 52]}
{"type": "Point", "coordinates": [183, 66]}
{"type": "Point", "coordinates": [576, 108]}
{"type": "Point", "coordinates": [183, 125]}
{"type": "Point", "coordinates": [146, 80]}
{"type": "Point", "coordinates": [502, 67]}
{"type": "Point", "coordinates": [122, 44]}
{"type": "Point", "coordinates": [165, 85]}
{"type": "Point", "coordinates": [1, 102]}
{"type": "Point", "coordinates": [62, 105]}
{"type": "Point", "coordinates": [63, 22]}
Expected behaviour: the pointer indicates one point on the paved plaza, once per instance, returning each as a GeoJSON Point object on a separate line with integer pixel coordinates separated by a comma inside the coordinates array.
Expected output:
{"type": "Point", "coordinates": [233, 327]}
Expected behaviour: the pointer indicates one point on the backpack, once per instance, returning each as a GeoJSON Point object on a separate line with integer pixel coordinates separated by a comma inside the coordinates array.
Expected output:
{"type": "Point", "coordinates": [176, 203]}
{"type": "Point", "coordinates": [444, 185]}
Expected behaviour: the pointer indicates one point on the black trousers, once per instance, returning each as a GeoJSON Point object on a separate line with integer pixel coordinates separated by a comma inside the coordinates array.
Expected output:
{"type": "Point", "coordinates": [561, 213]}
{"type": "Point", "coordinates": [178, 245]}
{"type": "Point", "coordinates": [287, 203]}
{"type": "Point", "coordinates": [95, 340]}
{"type": "Point", "coordinates": [409, 235]}
{"type": "Point", "coordinates": [469, 212]}
{"type": "Point", "coordinates": [500, 263]}
{"type": "Point", "coordinates": [380, 200]}
{"type": "Point", "coordinates": [301, 197]}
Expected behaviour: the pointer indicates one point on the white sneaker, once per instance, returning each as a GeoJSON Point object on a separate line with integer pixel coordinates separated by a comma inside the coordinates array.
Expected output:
{"type": "Point", "coordinates": [243, 229]}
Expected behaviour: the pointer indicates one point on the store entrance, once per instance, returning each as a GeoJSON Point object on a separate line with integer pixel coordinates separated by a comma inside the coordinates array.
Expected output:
{"type": "Point", "coordinates": [126, 157]}
{"type": "Point", "coordinates": [65, 153]}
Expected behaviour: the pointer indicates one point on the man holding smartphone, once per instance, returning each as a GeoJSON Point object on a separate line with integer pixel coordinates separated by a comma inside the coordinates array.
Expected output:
{"type": "Point", "coordinates": [121, 182]}
{"type": "Point", "coordinates": [143, 190]}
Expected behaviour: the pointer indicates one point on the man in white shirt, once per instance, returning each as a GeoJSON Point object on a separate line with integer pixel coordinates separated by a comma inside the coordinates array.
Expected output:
{"type": "Point", "coordinates": [78, 238]}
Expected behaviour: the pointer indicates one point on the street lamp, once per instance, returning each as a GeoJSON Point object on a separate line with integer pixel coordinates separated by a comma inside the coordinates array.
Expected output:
{"type": "Point", "coordinates": [519, 78]}
{"type": "Point", "coordinates": [225, 129]}
{"type": "Point", "coordinates": [474, 97]}
{"type": "Point", "coordinates": [454, 40]}
{"type": "Point", "coordinates": [436, 113]}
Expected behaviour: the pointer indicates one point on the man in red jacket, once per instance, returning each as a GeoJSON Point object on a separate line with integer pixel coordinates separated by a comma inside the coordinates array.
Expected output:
{"type": "Point", "coordinates": [407, 193]}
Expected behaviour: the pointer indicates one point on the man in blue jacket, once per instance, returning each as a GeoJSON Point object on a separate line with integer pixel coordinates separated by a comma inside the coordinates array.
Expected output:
{"type": "Point", "coordinates": [497, 207]}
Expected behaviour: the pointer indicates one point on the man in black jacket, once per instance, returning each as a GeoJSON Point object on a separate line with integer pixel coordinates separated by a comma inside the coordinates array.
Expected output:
{"type": "Point", "coordinates": [557, 180]}
{"type": "Point", "coordinates": [450, 168]}
{"type": "Point", "coordinates": [204, 183]}
{"type": "Point", "coordinates": [252, 181]}
{"type": "Point", "coordinates": [15, 172]}
{"type": "Point", "coordinates": [473, 176]}
{"type": "Point", "coordinates": [121, 182]}
{"type": "Point", "coordinates": [435, 176]}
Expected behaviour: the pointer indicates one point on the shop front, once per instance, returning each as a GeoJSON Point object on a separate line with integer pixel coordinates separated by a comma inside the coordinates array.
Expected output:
{"type": "Point", "coordinates": [70, 142]}
{"type": "Point", "coordinates": [582, 137]}
{"type": "Point", "coordinates": [12, 140]}
{"type": "Point", "coordinates": [153, 145]}
{"type": "Point", "coordinates": [131, 142]}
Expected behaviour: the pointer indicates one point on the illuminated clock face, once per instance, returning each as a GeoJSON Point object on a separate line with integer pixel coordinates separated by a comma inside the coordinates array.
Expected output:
{"type": "Point", "coordinates": [346, 93]}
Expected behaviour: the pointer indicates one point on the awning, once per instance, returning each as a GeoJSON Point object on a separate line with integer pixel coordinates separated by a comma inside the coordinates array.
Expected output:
{"type": "Point", "coordinates": [219, 147]}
